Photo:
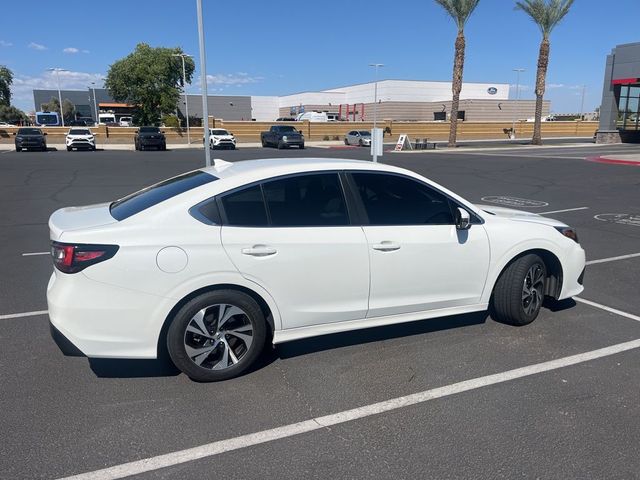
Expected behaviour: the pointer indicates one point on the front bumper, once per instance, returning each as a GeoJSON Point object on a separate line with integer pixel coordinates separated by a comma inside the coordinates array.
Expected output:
{"type": "Point", "coordinates": [81, 144]}
{"type": "Point", "coordinates": [151, 142]}
{"type": "Point", "coordinates": [573, 271]}
{"type": "Point", "coordinates": [31, 144]}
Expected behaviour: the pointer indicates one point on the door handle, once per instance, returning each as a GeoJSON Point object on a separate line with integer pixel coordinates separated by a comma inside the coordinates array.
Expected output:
{"type": "Point", "coordinates": [259, 251]}
{"type": "Point", "coordinates": [386, 246]}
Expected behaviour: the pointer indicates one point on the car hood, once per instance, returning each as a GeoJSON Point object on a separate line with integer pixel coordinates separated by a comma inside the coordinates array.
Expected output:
{"type": "Point", "coordinates": [84, 135]}
{"type": "Point", "coordinates": [30, 135]}
{"type": "Point", "coordinates": [519, 215]}
{"type": "Point", "coordinates": [149, 134]}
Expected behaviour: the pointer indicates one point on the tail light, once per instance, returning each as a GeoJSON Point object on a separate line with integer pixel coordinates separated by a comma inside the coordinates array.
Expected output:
{"type": "Point", "coordinates": [73, 258]}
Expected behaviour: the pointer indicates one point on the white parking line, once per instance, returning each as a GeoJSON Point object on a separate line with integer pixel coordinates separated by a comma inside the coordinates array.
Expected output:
{"type": "Point", "coordinates": [24, 314]}
{"type": "Point", "coordinates": [608, 309]}
{"type": "Point", "coordinates": [565, 210]}
{"type": "Point", "coordinates": [244, 441]}
{"type": "Point", "coordinates": [613, 259]}
{"type": "Point", "coordinates": [35, 253]}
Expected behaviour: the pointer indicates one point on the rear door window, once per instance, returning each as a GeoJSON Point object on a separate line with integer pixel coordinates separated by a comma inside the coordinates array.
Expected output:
{"type": "Point", "coordinates": [155, 194]}
{"type": "Point", "coordinates": [245, 208]}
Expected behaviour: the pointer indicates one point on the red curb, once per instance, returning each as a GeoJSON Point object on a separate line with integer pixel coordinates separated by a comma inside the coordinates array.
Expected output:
{"type": "Point", "coordinates": [613, 161]}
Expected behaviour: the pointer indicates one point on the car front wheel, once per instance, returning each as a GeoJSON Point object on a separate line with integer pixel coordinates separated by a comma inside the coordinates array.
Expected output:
{"type": "Point", "coordinates": [519, 292]}
{"type": "Point", "coordinates": [217, 335]}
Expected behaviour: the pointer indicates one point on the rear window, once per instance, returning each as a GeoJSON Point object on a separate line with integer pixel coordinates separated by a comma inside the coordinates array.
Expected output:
{"type": "Point", "coordinates": [149, 130]}
{"type": "Point", "coordinates": [150, 196]}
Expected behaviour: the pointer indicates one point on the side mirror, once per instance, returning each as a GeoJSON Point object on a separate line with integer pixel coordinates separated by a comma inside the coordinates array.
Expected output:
{"type": "Point", "coordinates": [14, 133]}
{"type": "Point", "coordinates": [45, 133]}
{"type": "Point", "coordinates": [463, 219]}
{"type": "Point", "coordinates": [162, 131]}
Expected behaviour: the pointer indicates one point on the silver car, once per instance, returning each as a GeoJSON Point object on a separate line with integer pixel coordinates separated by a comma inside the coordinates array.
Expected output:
{"type": "Point", "coordinates": [358, 137]}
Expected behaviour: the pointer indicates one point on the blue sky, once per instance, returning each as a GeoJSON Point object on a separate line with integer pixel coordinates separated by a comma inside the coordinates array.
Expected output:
{"type": "Point", "coordinates": [256, 47]}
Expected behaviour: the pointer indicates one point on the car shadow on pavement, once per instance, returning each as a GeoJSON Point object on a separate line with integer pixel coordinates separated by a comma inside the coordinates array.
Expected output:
{"type": "Point", "coordinates": [376, 334]}
{"type": "Point", "coordinates": [121, 368]}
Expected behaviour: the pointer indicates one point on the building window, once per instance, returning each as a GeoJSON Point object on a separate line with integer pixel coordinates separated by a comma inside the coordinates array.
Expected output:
{"type": "Point", "coordinates": [628, 107]}
{"type": "Point", "coordinates": [439, 116]}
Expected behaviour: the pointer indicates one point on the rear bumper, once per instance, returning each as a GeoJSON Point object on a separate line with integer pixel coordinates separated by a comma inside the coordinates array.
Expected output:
{"type": "Point", "coordinates": [104, 321]}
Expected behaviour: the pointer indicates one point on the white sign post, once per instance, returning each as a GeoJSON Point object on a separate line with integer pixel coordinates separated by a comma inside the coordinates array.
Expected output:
{"type": "Point", "coordinates": [376, 143]}
{"type": "Point", "coordinates": [403, 142]}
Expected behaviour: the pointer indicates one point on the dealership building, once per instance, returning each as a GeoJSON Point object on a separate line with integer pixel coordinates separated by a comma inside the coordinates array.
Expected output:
{"type": "Point", "coordinates": [620, 108]}
{"type": "Point", "coordinates": [400, 100]}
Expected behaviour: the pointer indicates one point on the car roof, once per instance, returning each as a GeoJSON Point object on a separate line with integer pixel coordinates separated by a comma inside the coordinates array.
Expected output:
{"type": "Point", "coordinates": [270, 167]}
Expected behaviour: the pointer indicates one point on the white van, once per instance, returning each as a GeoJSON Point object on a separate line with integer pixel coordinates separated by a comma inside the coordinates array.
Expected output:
{"type": "Point", "coordinates": [313, 117]}
{"type": "Point", "coordinates": [104, 118]}
{"type": "Point", "coordinates": [126, 121]}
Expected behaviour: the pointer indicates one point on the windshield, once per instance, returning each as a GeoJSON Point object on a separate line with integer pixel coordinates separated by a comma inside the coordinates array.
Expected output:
{"type": "Point", "coordinates": [150, 196]}
{"type": "Point", "coordinates": [287, 129]}
{"type": "Point", "coordinates": [218, 132]}
{"type": "Point", "coordinates": [149, 130]}
{"type": "Point", "coordinates": [47, 118]}
{"type": "Point", "coordinates": [79, 131]}
{"type": "Point", "coordinates": [364, 133]}
{"type": "Point", "coordinates": [29, 131]}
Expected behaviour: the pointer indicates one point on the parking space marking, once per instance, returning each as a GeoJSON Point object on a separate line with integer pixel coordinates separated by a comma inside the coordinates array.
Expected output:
{"type": "Point", "coordinates": [565, 210]}
{"type": "Point", "coordinates": [608, 309]}
{"type": "Point", "coordinates": [24, 314]}
{"type": "Point", "coordinates": [35, 253]}
{"type": "Point", "coordinates": [613, 259]}
{"type": "Point", "coordinates": [318, 423]}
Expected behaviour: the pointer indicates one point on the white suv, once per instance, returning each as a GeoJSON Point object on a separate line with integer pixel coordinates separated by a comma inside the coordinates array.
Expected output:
{"type": "Point", "coordinates": [80, 138]}
{"type": "Point", "coordinates": [221, 138]}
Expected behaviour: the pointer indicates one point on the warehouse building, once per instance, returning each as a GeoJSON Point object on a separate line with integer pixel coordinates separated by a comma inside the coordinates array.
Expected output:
{"type": "Point", "coordinates": [399, 100]}
{"type": "Point", "coordinates": [620, 108]}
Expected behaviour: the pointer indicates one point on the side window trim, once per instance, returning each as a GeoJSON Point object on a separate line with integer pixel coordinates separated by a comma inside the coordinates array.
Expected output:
{"type": "Point", "coordinates": [362, 213]}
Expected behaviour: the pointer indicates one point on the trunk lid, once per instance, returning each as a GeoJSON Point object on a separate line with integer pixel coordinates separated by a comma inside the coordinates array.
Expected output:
{"type": "Point", "coordinates": [79, 218]}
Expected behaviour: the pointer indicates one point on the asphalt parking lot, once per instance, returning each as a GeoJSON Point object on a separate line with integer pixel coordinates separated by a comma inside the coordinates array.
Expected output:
{"type": "Point", "coordinates": [453, 403]}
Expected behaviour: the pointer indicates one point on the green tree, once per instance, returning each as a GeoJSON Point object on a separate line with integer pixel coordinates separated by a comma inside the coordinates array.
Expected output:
{"type": "Point", "coordinates": [150, 79]}
{"type": "Point", "coordinates": [460, 11]}
{"type": "Point", "coordinates": [547, 14]}
{"type": "Point", "coordinates": [52, 106]}
{"type": "Point", "coordinates": [6, 79]}
{"type": "Point", "coordinates": [68, 110]}
{"type": "Point", "coordinates": [12, 115]}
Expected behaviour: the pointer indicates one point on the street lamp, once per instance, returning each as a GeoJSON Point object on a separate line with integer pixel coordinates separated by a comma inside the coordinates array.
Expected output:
{"type": "Point", "coordinates": [515, 112]}
{"type": "Point", "coordinates": [184, 89]}
{"type": "Point", "coordinates": [95, 101]}
{"type": "Point", "coordinates": [584, 91]}
{"type": "Point", "coordinates": [203, 81]}
{"type": "Point", "coordinates": [374, 136]}
{"type": "Point", "coordinates": [58, 70]}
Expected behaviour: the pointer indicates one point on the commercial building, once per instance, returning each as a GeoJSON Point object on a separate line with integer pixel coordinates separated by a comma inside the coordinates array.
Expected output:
{"type": "Point", "coordinates": [400, 100]}
{"type": "Point", "coordinates": [620, 108]}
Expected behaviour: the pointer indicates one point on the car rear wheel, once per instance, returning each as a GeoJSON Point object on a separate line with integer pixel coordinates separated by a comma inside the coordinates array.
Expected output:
{"type": "Point", "coordinates": [519, 292]}
{"type": "Point", "coordinates": [346, 141]}
{"type": "Point", "coordinates": [217, 335]}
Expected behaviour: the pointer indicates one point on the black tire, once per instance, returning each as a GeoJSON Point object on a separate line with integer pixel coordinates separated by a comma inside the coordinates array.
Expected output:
{"type": "Point", "coordinates": [44, 148]}
{"type": "Point", "coordinates": [176, 335]}
{"type": "Point", "coordinates": [510, 302]}
{"type": "Point", "coordinates": [18, 149]}
{"type": "Point", "coordinates": [69, 149]}
{"type": "Point", "coordinates": [361, 143]}
{"type": "Point", "coordinates": [93, 149]}
{"type": "Point", "coordinates": [264, 143]}
{"type": "Point", "coordinates": [164, 147]}
{"type": "Point", "coordinates": [280, 145]}
{"type": "Point", "coordinates": [301, 146]}
{"type": "Point", "coordinates": [346, 142]}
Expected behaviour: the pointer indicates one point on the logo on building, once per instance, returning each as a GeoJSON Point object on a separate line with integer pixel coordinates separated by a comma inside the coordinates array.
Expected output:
{"type": "Point", "coordinates": [492, 90]}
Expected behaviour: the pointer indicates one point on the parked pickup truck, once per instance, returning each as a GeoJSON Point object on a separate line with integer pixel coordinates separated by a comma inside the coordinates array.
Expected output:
{"type": "Point", "coordinates": [282, 136]}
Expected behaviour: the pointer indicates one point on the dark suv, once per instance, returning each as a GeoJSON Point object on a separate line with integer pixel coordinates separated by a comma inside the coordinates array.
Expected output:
{"type": "Point", "coordinates": [150, 137]}
{"type": "Point", "coordinates": [30, 138]}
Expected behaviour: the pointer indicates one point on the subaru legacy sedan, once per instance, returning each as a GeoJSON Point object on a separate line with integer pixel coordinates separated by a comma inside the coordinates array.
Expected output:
{"type": "Point", "coordinates": [211, 265]}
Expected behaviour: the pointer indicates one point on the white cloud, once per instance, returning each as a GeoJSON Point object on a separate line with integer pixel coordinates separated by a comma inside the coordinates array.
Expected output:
{"type": "Point", "coordinates": [232, 79]}
{"type": "Point", "coordinates": [556, 85]}
{"type": "Point", "coordinates": [70, 50]}
{"type": "Point", "coordinates": [23, 86]}
{"type": "Point", "coordinates": [85, 51]}
{"type": "Point", "coordinates": [36, 46]}
{"type": "Point", "coordinates": [5, 44]}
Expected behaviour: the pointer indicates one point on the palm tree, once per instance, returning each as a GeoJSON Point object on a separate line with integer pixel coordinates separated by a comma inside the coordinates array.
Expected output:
{"type": "Point", "coordinates": [460, 11]}
{"type": "Point", "coordinates": [547, 14]}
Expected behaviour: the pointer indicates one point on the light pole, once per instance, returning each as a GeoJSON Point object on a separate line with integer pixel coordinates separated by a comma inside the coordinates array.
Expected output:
{"type": "Point", "coordinates": [517, 106]}
{"type": "Point", "coordinates": [95, 101]}
{"type": "Point", "coordinates": [203, 81]}
{"type": "Point", "coordinates": [584, 91]}
{"type": "Point", "coordinates": [184, 89]}
{"type": "Point", "coordinates": [374, 136]}
{"type": "Point", "coordinates": [58, 70]}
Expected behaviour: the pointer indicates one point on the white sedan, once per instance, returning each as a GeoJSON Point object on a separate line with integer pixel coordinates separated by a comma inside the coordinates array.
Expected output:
{"type": "Point", "coordinates": [212, 264]}
{"type": "Point", "coordinates": [80, 138]}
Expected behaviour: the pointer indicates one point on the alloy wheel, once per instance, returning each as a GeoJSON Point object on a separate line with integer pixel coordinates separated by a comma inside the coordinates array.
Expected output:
{"type": "Point", "coordinates": [533, 289]}
{"type": "Point", "coordinates": [218, 336]}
